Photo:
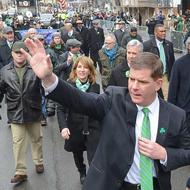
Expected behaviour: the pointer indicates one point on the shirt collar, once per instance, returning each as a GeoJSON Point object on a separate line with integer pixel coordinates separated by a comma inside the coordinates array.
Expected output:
{"type": "Point", "coordinates": [152, 107]}
{"type": "Point", "coordinates": [158, 42]}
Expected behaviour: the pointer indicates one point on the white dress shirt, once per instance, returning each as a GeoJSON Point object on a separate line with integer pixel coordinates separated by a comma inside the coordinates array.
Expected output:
{"type": "Point", "coordinates": [50, 88]}
{"type": "Point", "coordinates": [133, 176]}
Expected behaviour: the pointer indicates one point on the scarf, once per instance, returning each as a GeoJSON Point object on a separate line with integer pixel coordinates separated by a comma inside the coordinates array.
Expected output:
{"type": "Point", "coordinates": [83, 87]}
{"type": "Point", "coordinates": [111, 54]}
{"type": "Point", "coordinates": [58, 46]}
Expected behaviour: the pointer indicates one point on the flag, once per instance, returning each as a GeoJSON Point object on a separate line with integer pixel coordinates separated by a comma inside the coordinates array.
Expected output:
{"type": "Point", "coordinates": [63, 4]}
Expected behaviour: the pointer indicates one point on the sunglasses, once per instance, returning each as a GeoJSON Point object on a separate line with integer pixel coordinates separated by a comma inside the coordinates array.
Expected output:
{"type": "Point", "coordinates": [18, 52]}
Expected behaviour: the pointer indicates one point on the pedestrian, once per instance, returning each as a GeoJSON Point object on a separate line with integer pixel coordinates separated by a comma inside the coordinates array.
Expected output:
{"type": "Point", "coordinates": [81, 133]}
{"type": "Point", "coordinates": [6, 45]}
{"type": "Point", "coordinates": [179, 83]}
{"type": "Point", "coordinates": [119, 75]}
{"type": "Point", "coordinates": [120, 32]}
{"type": "Point", "coordinates": [68, 32]}
{"type": "Point", "coordinates": [96, 41]}
{"type": "Point", "coordinates": [83, 31]}
{"type": "Point", "coordinates": [57, 48]}
{"type": "Point", "coordinates": [69, 58]}
{"type": "Point", "coordinates": [151, 23]}
{"type": "Point", "coordinates": [110, 55]}
{"type": "Point", "coordinates": [131, 36]}
{"type": "Point", "coordinates": [23, 95]}
{"type": "Point", "coordinates": [127, 157]}
{"type": "Point", "coordinates": [164, 49]}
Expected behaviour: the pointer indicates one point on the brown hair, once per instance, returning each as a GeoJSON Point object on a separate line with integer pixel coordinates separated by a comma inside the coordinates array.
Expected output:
{"type": "Point", "coordinates": [52, 45]}
{"type": "Point", "coordinates": [149, 61]}
{"type": "Point", "coordinates": [87, 62]}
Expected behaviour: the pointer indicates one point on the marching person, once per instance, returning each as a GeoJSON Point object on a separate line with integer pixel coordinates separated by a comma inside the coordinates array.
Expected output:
{"type": "Point", "coordinates": [5, 46]}
{"type": "Point", "coordinates": [110, 55]}
{"type": "Point", "coordinates": [141, 140]}
{"type": "Point", "coordinates": [23, 95]}
{"type": "Point", "coordinates": [80, 131]}
{"type": "Point", "coordinates": [164, 49]}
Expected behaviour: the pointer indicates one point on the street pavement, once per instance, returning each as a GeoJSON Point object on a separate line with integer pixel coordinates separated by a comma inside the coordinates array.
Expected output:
{"type": "Point", "coordinates": [60, 172]}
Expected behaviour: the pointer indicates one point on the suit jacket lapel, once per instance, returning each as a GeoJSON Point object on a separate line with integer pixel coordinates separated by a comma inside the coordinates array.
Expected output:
{"type": "Point", "coordinates": [163, 123]}
{"type": "Point", "coordinates": [131, 114]}
{"type": "Point", "coordinates": [166, 49]}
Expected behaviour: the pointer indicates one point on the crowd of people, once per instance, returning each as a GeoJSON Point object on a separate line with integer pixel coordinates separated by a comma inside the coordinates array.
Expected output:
{"type": "Point", "coordinates": [144, 105]}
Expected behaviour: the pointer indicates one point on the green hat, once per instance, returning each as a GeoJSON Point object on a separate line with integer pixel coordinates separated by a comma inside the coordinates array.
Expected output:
{"type": "Point", "coordinates": [18, 45]}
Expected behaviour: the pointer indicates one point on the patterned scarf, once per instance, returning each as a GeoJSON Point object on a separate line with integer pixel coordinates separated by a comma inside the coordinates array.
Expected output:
{"type": "Point", "coordinates": [111, 54]}
{"type": "Point", "coordinates": [83, 87]}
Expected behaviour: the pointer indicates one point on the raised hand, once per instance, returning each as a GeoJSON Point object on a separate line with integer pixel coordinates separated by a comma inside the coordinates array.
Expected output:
{"type": "Point", "coordinates": [39, 61]}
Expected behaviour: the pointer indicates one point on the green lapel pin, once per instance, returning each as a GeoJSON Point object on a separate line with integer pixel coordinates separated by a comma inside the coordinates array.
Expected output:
{"type": "Point", "coordinates": [162, 130]}
{"type": "Point", "coordinates": [127, 74]}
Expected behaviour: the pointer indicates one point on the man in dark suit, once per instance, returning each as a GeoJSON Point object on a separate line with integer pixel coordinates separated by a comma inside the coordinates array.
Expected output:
{"type": "Point", "coordinates": [5, 46]}
{"type": "Point", "coordinates": [69, 33]}
{"type": "Point", "coordinates": [164, 49]}
{"type": "Point", "coordinates": [117, 164]}
{"type": "Point", "coordinates": [119, 75]}
{"type": "Point", "coordinates": [83, 31]}
{"type": "Point", "coordinates": [121, 32]}
{"type": "Point", "coordinates": [96, 41]}
{"type": "Point", "coordinates": [179, 83]}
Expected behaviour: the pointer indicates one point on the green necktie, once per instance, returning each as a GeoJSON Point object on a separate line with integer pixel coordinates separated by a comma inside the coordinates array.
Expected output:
{"type": "Point", "coordinates": [145, 162]}
{"type": "Point", "coordinates": [163, 57]}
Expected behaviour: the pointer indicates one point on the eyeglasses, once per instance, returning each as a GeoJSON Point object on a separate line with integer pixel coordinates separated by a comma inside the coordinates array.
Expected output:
{"type": "Point", "coordinates": [108, 43]}
{"type": "Point", "coordinates": [18, 52]}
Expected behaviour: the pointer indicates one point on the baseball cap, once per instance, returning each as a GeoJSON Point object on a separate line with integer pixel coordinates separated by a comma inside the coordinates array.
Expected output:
{"type": "Point", "coordinates": [18, 45]}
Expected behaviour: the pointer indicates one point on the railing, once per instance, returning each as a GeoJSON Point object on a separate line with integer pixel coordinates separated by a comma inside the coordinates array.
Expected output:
{"type": "Point", "coordinates": [175, 37]}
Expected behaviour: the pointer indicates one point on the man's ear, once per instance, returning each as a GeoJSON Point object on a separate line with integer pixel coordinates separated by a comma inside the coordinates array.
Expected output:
{"type": "Point", "coordinates": [159, 83]}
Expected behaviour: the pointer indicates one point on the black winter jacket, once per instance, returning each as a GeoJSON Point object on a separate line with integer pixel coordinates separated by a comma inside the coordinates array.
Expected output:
{"type": "Point", "coordinates": [23, 100]}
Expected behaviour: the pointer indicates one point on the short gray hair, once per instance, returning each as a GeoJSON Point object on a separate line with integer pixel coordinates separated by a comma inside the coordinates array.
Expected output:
{"type": "Point", "coordinates": [112, 36]}
{"type": "Point", "coordinates": [135, 42]}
